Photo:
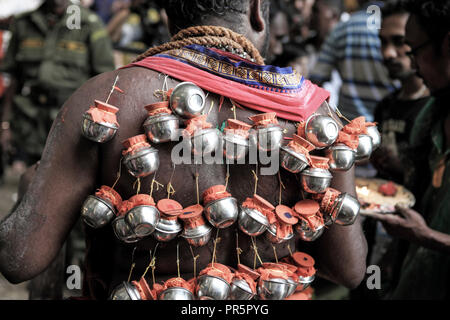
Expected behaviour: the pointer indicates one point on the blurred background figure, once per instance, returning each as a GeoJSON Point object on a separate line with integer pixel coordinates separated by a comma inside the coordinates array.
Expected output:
{"type": "Point", "coordinates": [353, 49]}
{"type": "Point", "coordinates": [394, 160]}
{"type": "Point", "coordinates": [279, 30]}
{"type": "Point", "coordinates": [47, 61]}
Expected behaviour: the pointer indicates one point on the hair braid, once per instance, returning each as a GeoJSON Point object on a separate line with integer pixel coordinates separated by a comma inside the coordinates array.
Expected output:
{"type": "Point", "coordinates": [207, 36]}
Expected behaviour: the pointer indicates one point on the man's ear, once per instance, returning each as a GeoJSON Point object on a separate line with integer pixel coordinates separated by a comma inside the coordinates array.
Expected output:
{"type": "Point", "coordinates": [256, 16]}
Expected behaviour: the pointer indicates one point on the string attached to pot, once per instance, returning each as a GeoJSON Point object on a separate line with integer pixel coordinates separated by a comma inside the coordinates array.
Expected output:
{"type": "Point", "coordinates": [282, 186]}
{"type": "Point", "coordinates": [194, 257]}
{"type": "Point", "coordinates": [238, 250]}
{"type": "Point", "coordinates": [133, 264]}
{"type": "Point", "coordinates": [119, 173]}
{"type": "Point", "coordinates": [255, 249]}
{"type": "Point", "coordinates": [216, 241]}
{"type": "Point", "coordinates": [170, 189]}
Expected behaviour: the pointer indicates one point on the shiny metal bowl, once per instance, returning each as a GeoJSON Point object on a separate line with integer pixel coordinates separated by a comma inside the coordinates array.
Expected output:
{"type": "Point", "coordinates": [143, 220]}
{"type": "Point", "coordinates": [206, 141]}
{"type": "Point", "coordinates": [123, 231]}
{"type": "Point", "coordinates": [292, 161]}
{"type": "Point", "coordinates": [273, 289]}
{"type": "Point", "coordinates": [341, 157]}
{"type": "Point", "coordinates": [304, 282]}
{"type": "Point", "coordinates": [252, 222]}
{"type": "Point", "coordinates": [322, 131]}
{"type": "Point", "coordinates": [292, 286]}
{"type": "Point", "coordinates": [222, 213]}
{"type": "Point", "coordinates": [240, 290]}
{"type": "Point", "coordinates": [100, 132]}
{"type": "Point", "coordinates": [346, 209]}
{"type": "Point", "coordinates": [125, 291]}
{"type": "Point", "coordinates": [212, 288]}
{"type": "Point", "coordinates": [167, 230]}
{"type": "Point", "coordinates": [97, 212]}
{"type": "Point", "coordinates": [198, 236]}
{"type": "Point", "coordinates": [375, 135]}
{"type": "Point", "coordinates": [271, 235]}
{"type": "Point", "coordinates": [187, 100]}
{"type": "Point", "coordinates": [305, 232]}
{"type": "Point", "coordinates": [235, 147]}
{"type": "Point", "coordinates": [176, 293]}
{"type": "Point", "coordinates": [315, 180]}
{"type": "Point", "coordinates": [142, 163]}
{"type": "Point", "coordinates": [162, 128]}
{"type": "Point", "coordinates": [268, 138]}
{"type": "Point", "coordinates": [364, 149]}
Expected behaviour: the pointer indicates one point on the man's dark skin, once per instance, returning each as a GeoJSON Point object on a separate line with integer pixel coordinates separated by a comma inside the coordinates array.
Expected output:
{"type": "Point", "coordinates": [72, 168]}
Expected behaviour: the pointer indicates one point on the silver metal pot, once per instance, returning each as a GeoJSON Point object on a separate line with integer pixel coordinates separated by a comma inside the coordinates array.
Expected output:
{"type": "Point", "coordinates": [373, 132]}
{"type": "Point", "coordinates": [273, 289]}
{"type": "Point", "coordinates": [341, 157]}
{"type": "Point", "coordinates": [252, 222]}
{"type": "Point", "coordinates": [267, 138]}
{"type": "Point", "coordinates": [235, 147]}
{"type": "Point", "coordinates": [321, 130]}
{"type": "Point", "coordinates": [240, 290]}
{"type": "Point", "coordinates": [125, 291]}
{"type": "Point", "coordinates": [123, 231]}
{"type": "Point", "coordinates": [306, 233]}
{"type": "Point", "coordinates": [162, 128]}
{"type": "Point", "coordinates": [222, 213]}
{"type": "Point", "coordinates": [346, 209]}
{"type": "Point", "coordinates": [97, 212]}
{"type": "Point", "coordinates": [143, 220]}
{"type": "Point", "coordinates": [198, 236]}
{"type": "Point", "coordinates": [100, 132]}
{"type": "Point", "coordinates": [365, 148]}
{"type": "Point", "coordinates": [176, 293]}
{"type": "Point", "coordinates": [187, 100]}
{"type": "Point", "coordinates": [142, 163]}
{"type": "Point", "coordinates": [167, 230]}
{"type": "Point", "coordinates": [304, 282]}
{"type": "Point", "coordinates": [292, 161]}
{"type": "Point", "coordinates": [206, 141]}
{"type": "Point", "coordinates": [212, 288]}
{"type": "Point", "coordinates": [315, 180]}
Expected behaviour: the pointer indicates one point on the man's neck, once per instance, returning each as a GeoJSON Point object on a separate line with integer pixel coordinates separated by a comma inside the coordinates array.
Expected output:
{"type": "Point", "coordinates": [413, 88]}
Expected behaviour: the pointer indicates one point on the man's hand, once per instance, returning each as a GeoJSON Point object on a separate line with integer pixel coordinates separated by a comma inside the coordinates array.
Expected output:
{"type": "Point", "coordinates": [406, 224]}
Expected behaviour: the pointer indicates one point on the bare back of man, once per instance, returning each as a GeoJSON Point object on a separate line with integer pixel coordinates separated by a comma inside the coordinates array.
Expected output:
{"type": "Point", "coordinates": [72, 168]}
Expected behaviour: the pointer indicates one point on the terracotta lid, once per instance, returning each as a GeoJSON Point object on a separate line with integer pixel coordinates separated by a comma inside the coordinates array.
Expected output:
{"type": "Point", "coordinates": [319, 162]}
{"type": "Point", "coordinates": [247, 270]}
{"type": "Point", "coordinates": [266, 204]}
{"type": "Point", "coordinates": [288, 266]}
{"type": "Point", "coordinates": [285, 214]}
{"type": "Point", "coordinates": [219, 266]}
{"type": "Point", "coordinates": [192, 212]}
{"type": "Point", "coordinates": [169, 207]}
{"type": "Point", "coordinates": [303, 260]}
{"type": "Point", "coordinates": [128, 143]}
{"type": "Point", "coordinates": [105, 106]}
{"type": "Point", "coordinates": [157, 105]}
{"type": "Point", "coordinates": [141, 200]}
{"type": "Point", "coordinates": [263, 117]}
{"type": "Point", "coordinates": [307, 207]}
{"type": "Point", "coordinates": [273, 266]}
{"type": "Point", "coordinates": [213, 190]}
{"type": "Point", "coordinates": [303, 142]}
{"type": "Point", "coordinates": [237, 124]}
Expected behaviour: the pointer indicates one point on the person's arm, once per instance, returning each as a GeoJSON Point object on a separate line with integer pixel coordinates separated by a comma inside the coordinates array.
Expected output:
{"type": "Point", "coordinates": [32, 235]}
{"type": "Point", "coordinates": [410, 225]}
{"type": "Point", "coordinates": [342, 250]}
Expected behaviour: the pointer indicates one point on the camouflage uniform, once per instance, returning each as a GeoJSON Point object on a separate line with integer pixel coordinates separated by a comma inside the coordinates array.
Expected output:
{"type": "Point", "coordinates": [50, 63]}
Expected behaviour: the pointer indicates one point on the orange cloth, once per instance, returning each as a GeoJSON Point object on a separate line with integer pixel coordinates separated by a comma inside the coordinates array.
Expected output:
{"type": "Point", "coordinates": [134, 144]}
{"type": "Point", "coordinates": [178, 283]}
{"type": "Point", "coordinates": [102, 116]}
{"type": "Point", "coordinates": [144, 289]}
{"type": "Point", "coordinates": [246, 278]}
{"type": "Point", "coordinates": [350, 140]}
{"type": "Point", "coordinates": [157, 108]}
{"type": "Point", "coordinates": [253, 203]}
{"type": "Point", "coordinates": [356, 127]}
{"type": "Point", "coordinates": [197, 123]}
{"type": "Point", "coordinates": [218, 270]}
{"type": "Point", "coordinates": [264, 119]}
{"type": "Point", "coordinates": [107, 193]}
{"type": "Point", "coordinates": [320, 162]}
{"type": "Point", "coordinates": [215, 193]}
